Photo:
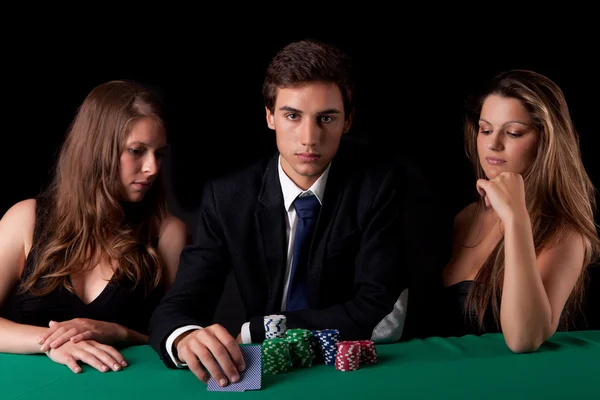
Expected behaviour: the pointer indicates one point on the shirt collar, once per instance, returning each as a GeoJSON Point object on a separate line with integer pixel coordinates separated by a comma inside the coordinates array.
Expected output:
{"type": "Point", "coordinates": [291, 190]}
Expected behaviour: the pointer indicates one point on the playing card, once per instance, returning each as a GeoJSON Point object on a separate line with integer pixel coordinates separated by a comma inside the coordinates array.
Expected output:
{"type": "Point", "coordinates": [250, 379]}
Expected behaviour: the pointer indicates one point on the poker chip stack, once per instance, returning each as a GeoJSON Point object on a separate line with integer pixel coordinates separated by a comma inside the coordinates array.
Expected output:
{"type": "Point", "coordinates": [275, 326]}
{"type": "Point", "coordinates": [328, 340]}
{"type": "Point", "coordinates": [284, 348]}
{"type": "Point", "coordinates": [315, 348]}
{"type": "Point", "coordinates": [276, 357]}
{"type": "Point", "coordinates": [348, 356]}
{"type": "Point", "coordinates": [368, 353]}
{"type": "Point", "coordinates": [300, 352]}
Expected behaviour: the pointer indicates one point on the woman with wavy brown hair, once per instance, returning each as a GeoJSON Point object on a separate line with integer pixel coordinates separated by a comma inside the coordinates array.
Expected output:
{"type": "Point", "coordinates": [83, 265]}
{"type": "Point", "coordinates": [520, 252]}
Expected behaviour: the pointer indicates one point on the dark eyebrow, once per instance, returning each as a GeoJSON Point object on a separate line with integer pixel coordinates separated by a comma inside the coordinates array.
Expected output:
{"type": "Point", "coordinates": [506, 123]}
{"type": "Point", "coordinates": [330, 111]}
{"type": "Point", "coordinates": [294, 110]}
{"type": "Point", "coordinates": [290, 109]}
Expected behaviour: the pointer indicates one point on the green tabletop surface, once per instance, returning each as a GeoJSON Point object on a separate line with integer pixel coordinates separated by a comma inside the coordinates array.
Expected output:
{"type": "Point", "coordinates": [566, 367]}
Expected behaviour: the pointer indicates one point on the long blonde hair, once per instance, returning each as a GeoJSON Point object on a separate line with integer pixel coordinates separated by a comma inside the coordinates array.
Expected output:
{"type": "Point", "coordinates": [86, 214]}
{"type": "Point", "coordinates": [558, 192]}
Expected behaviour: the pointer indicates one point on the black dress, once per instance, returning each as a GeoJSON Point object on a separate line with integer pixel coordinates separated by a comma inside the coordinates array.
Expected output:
{"type": "Point", "coordinates": [457, 320]}
{"type": "Point", "coordinates": [119, 302]}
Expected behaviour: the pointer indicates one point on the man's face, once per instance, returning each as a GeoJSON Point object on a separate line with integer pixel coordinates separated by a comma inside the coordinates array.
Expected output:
{"type": "Point", "coordinates": [309, 121]}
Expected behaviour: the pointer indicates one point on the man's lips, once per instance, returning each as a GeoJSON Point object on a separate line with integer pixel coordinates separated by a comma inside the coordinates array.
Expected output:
{"type": "Point", "coordinates": [308, 156]}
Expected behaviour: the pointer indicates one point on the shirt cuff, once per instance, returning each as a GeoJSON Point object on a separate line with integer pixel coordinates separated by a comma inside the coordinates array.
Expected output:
{"type": "Point", "coordinates": [246, 337]}
{"type": "Point", "coordinates": [169, 344]}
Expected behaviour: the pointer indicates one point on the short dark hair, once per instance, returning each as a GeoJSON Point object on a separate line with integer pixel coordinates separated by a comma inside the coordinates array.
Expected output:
{"type": "Point", "coordinates": [309, 61]}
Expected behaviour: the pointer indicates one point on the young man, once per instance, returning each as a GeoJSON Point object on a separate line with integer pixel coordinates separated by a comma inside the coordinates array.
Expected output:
{"type": "Point", "coordinates": [320, 232]}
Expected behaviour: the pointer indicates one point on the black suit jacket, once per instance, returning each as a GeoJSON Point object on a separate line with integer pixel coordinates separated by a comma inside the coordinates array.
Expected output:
{"type": "Point", "coordinates": [363, 242]}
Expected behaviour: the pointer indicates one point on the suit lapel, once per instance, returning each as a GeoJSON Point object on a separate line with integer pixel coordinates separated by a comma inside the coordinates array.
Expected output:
{"type": "Point", "coordinates": [270, 217]}
{"type": "Point", "coordinates": [331, 202]}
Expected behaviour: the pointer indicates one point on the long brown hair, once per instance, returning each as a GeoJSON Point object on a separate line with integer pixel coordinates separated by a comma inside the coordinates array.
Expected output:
{"type": "Point", "coordinates": [558, 192]}
{"type": "Point", "coordinates": [86, 216]}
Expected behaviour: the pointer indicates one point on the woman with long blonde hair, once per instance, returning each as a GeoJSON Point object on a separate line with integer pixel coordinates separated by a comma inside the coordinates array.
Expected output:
{"type": "Point", "coordinates": [83, 265]}
{"type": "Point", "coordinates": [520, 253]}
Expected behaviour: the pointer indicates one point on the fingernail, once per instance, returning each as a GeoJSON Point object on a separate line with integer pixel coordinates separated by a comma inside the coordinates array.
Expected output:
{"type": "Point", "coordinates": [124, 363]}
{"type": "Point", "coordinates": [77, 370]}
{"type": "Point", "coordinates": [241, 368]}
{"type": "Point", "coordinates": [104, 368]}
{"type": "Point", "coordinates": [52, 344]}
{"type": "Point", "coordinates": [235, 378]}
{"type": "Point", "coordinates": [44, 348]}
{"type": "Point", "coordinates": [40, 341]}
{"type": "Point", "coordinates": [116, 367]}
{"type": "Point", "coordinates": [223, 382]}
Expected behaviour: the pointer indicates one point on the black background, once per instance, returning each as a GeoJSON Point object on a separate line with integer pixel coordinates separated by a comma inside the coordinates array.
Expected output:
{"type": "Point", "coordinates": [413, 83]}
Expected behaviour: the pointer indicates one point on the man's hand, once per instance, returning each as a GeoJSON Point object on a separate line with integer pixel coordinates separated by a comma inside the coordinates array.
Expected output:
{"type": "Point", "coordinates": [208, 348]}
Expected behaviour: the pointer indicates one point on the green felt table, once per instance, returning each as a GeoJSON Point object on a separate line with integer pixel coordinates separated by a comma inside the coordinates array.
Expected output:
{"type": "Point", "coordinates": [565, 367]}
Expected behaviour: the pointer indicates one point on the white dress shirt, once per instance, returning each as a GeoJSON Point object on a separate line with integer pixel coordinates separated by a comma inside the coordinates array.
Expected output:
{"type": "Point", "coordinates": [290, 191]}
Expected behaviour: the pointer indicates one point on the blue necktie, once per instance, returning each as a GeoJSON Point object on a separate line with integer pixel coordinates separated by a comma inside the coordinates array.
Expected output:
{"type": "Point", "coordinates": [307, 208]}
